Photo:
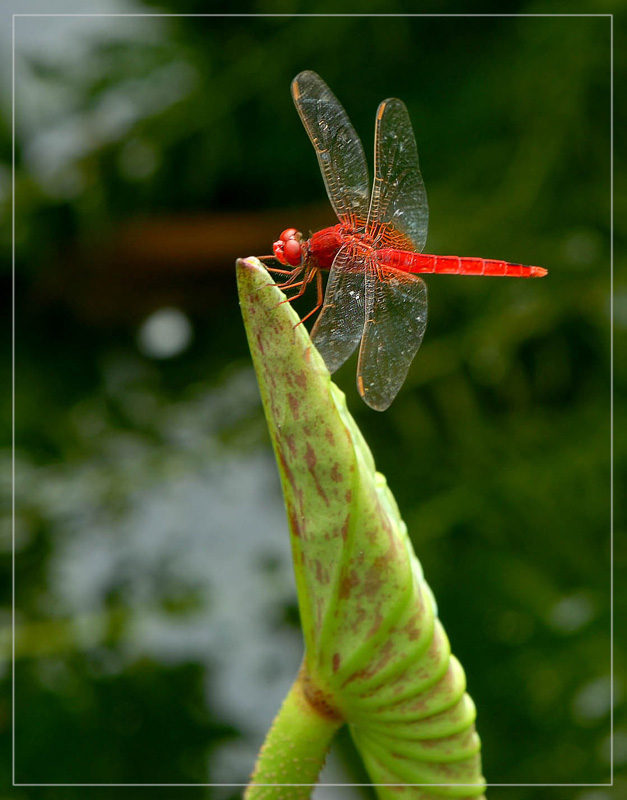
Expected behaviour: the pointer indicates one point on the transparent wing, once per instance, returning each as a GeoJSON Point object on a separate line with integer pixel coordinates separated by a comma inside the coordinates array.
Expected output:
{"type": "Point", "coordinates": [398, 192]}
{"type": "Point", "coordinates": [340, 324]}
{"type": "Point", "coordinates": [395, 324]}
{"type": "Point", "coordinates": [340, 153]}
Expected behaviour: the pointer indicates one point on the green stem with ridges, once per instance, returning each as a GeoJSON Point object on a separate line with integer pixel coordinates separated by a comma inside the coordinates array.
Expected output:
{"type": "Point", "coordinates": [295, 748]}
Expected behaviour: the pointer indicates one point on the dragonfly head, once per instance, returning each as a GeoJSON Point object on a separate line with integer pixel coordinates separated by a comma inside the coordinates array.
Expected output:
{"type": "Point", "coordinates": [291, 248]}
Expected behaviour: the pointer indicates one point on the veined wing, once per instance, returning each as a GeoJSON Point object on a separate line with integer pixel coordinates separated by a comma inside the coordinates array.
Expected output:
{"type": "Point", "coordinates": [399, 196]}
{"type": "Point", "coordinates": [396, 319]}
{"type": "Point", "coordinates": [340, 324]}
{"type": "Point", "coordinates": [340, 153]}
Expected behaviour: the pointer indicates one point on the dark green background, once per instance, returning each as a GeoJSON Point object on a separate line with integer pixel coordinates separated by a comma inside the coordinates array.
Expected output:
{"type": "Point", "coordinates": [497, 448]}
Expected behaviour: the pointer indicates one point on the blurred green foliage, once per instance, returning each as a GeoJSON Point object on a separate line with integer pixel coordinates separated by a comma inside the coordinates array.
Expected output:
{"type": "Point", "coordinates": [497, 447]}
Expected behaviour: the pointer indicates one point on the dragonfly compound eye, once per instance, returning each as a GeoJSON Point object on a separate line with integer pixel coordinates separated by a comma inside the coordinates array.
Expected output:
{"type": "Point", "coordinates": [289, 233]}
{"type": "Point", "coordinates": [292, 252]}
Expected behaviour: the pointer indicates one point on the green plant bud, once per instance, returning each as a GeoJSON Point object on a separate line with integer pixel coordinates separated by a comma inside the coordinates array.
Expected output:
{"type": "Point", "coordinates": [376, 655]}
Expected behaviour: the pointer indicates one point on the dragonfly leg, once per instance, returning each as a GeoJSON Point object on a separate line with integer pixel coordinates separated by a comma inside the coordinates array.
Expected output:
{"type": "Point", "coordinates": [291, 282]}
{"type": "Point", "coordinates": [319, 302]}
{"type": "Point", "coordinates": [300, 293]}
{"type": "Point", "coordinates": [309, 276]}
{"type": "Point", "coordinates": [274, 269]}
{"type": "Point", "coordinates": [281, 271]}
{"type": "Point", "coordinates": [291, 273]}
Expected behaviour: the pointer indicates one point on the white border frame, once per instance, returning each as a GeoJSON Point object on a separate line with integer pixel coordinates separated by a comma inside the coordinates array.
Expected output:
{"type": "Point", "coordinates": [321, 785]}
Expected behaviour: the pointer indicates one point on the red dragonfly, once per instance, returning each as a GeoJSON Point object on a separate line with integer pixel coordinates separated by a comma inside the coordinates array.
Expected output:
{"type": "Point", "coordinates": [373, 295]}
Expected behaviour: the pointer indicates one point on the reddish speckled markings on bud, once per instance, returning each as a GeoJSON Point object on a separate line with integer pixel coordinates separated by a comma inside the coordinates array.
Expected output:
{"type": "Point", "coordinates": [321, 702]}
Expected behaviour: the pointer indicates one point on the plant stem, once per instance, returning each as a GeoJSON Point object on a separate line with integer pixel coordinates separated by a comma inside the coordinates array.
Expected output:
{"type": "Point", "coordinates": [295, 748]}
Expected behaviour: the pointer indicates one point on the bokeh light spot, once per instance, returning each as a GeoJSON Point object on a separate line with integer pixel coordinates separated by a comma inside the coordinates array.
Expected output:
{"type": "Point", "coordinates": [165, 333]}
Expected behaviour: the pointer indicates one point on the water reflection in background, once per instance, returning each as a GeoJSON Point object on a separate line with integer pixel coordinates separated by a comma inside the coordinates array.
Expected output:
{"type": "Point", "coordinates": [187, 533]}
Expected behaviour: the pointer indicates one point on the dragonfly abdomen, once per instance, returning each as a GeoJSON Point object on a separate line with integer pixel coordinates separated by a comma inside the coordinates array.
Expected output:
{"type": "Point", "coordinates": [455, 265]}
